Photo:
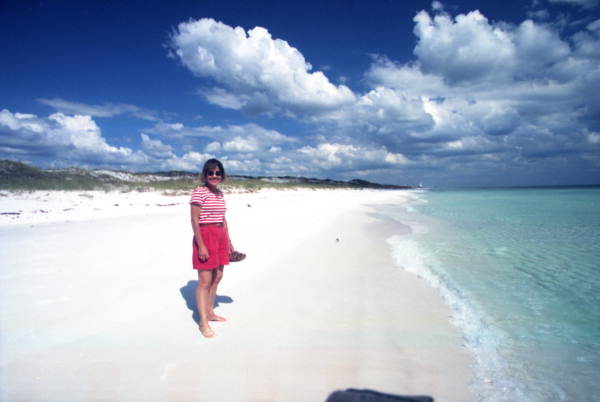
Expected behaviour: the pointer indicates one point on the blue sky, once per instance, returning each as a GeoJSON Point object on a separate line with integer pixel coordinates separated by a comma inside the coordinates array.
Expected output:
{"type": "Point", "coordinates": [405, 92]}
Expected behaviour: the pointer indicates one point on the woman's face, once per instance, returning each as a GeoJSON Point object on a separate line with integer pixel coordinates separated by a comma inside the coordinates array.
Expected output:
{"type": "Point", "coordinates": [214, 177]}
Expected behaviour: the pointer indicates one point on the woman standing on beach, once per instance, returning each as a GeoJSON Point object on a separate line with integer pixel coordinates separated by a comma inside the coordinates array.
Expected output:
{"type": "Point", "coordinates": [211, 245]}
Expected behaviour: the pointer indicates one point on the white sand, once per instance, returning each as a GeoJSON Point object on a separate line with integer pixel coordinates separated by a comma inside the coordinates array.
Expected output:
{"type": "Point", "coordinates": [21, 208]}
{"type": "Point", "coordinates": [99, 307]}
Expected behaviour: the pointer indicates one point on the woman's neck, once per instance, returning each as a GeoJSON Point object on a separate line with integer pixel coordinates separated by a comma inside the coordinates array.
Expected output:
{"type": "Point", "coordinates": [213, 189]}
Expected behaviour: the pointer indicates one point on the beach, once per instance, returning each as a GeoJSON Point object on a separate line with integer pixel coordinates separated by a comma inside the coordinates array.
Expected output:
{"type": "Point", "coordinates": [97, 302]}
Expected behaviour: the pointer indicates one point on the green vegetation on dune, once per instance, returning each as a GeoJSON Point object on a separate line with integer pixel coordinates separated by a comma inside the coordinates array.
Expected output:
{"type": "Point", "coordinates": [19, 176]}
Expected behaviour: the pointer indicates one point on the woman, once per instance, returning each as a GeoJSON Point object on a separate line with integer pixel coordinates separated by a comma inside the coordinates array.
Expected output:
{"type": "Point", "coordinates": [211, 246]}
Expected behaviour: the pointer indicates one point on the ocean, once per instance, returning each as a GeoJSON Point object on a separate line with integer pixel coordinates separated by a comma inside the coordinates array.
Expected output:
{"type": "Point", "coordinates": [520, 269]}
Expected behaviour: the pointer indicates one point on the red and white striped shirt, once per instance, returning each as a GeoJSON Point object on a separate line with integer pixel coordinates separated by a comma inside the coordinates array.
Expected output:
{"type": "Point", "coordinates": [212, 206]}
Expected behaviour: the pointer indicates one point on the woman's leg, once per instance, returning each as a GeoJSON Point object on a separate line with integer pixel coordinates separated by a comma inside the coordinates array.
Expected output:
{"type": "Point", "coordinates": [205, 280]}
{"type": "Point", "coordinates": [218, 275]}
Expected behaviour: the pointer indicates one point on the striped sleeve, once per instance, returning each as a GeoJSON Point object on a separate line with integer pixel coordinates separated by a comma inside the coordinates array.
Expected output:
{"type": "Point", "coordinates": [198, 196]}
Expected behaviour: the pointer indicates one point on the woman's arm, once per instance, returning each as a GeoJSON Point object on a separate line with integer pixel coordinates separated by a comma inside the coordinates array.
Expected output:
{"type": "Point", "coordinates": [202, 251]}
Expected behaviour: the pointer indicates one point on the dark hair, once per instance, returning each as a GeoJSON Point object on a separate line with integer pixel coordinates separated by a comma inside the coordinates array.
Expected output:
{"type": "Point", "coordinates": [210, 165]}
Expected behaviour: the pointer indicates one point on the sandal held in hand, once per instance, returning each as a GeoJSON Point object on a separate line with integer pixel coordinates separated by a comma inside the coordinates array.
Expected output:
{"type": "Point", "coordinates": [236, 256]}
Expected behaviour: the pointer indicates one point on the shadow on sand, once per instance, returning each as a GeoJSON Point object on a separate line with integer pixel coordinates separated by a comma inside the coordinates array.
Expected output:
{"type": "Point", "coordinates": [188, 292]}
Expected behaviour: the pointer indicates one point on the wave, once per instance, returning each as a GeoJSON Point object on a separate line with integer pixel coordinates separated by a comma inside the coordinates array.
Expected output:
{"type": "Point", "coordinates": [492, 380]}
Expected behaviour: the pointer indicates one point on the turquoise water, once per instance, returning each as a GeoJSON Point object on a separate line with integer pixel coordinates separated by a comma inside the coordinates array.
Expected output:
{"type": "Point", "coordinates": [520, 269]}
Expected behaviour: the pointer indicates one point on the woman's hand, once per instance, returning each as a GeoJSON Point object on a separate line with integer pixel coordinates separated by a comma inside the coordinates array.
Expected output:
{"type": "Point", "coordinates": [231, 248]}
{"type": "Point", "coordinates": [203, 253]}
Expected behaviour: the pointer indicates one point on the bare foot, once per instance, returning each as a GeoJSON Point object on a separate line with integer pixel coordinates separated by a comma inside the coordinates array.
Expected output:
{"type": "Point", "coordinates": [207, 332]}
{"type": "Point", "coordinates": [214, 317]}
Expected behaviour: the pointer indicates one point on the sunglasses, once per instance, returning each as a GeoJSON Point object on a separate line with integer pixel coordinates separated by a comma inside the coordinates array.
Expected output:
{"type": "Point", "coordinates": [214, 173]}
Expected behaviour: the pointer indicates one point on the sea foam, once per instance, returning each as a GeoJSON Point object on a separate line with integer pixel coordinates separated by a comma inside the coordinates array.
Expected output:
{"type": "Point", "coordinates": [519, 270]}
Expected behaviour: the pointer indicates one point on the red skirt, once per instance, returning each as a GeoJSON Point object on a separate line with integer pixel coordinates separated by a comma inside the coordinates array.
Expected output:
{"type": "Point", "coordinates": [216, 241]}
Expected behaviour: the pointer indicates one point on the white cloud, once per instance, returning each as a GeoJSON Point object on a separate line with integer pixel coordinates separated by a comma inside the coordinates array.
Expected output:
{"type": "Point", "coordinates": [586, 42]}
{"type": "Point", "coordinates": [544, 85]}
{"type": "Point", "coordinates": [232, 138]}
{"type": "Point", "coordinates": [499, 119]}
{"type": "Point", "coordinates": [539, 14]}
{"type": "Point", "coordinates": [345, 156]}
{"type": "Point", "coordinates": [156, 148]}
{"type": "Point", "coordinates": [409, 79]}
{"type": "Point", "coordinates": [437, 6]}
{"type": "Point", "coordinates": [227, 100]}
{"type": "Point", "coordinates": [389, 106]}
{"type": "Point", "coordinates": [479, 145]}
{"type": "Point", "coordinates": [478, 96]}
{"type": "Point", "coordinates": [17, 121]}
{"type": "Point", "coordinates": [476, 91]}
{"type": "Point", "coordinates": [106, 110]}
{"type": "Point", "coordinates": [466, 48]}
{"type": "Point", "coordinates": [261, 74]}
{"type": "Point", "coordinates": [79, 131]}
{"type": "Point", "coordinates": [213, 147]}
{"type": "Point", "coordinates": [587, 4]}
{"type": "Point", "coordinates": [537, 47]}
{"type": "Point", "coordinates": [593, 138]}
{"type": "Point", "coordinates": [76, 138]}
{"type": "Point", "coordinates": [239, 144]}
{"type": "Point", "coordinates": [190, 161]}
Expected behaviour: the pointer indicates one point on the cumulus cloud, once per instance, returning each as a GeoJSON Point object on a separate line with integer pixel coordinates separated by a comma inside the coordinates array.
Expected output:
{"type": "Point", "coordinates": [213, 147]}
{"type": "Point", "coordinates": [586, 42]}
{"type": "Point", "coordinates": [479, 97]}
{"type": "Point", "coordinates": [256, 73]}
{"type": "Point", "coordinates": [497, 92]}
{"type": "Point", "coordinates": [232, 138]}
{"type": "Point", "coordinates": [478, 94]}
{"type": "Point", "coordinates": [74, 137]}
{"type": "Point", "coordinates": [379, 113]}
{"type": "Point", "coordinates": [190, 161]}
{"type": "Point", "coordinates": [253, 149]}
{"type": "Point", "coordinates": [471, 78]}
{"type": "Point", "coordinates": [156, 148]}
{"type": "Point", "coordinates": [65, 140]}
{"type": "Point", "coordinates": [350, 157]}
{"type": "Point", "coordinates": [240, 144]}
{"type": "Point", "coordinates": [468, 48]}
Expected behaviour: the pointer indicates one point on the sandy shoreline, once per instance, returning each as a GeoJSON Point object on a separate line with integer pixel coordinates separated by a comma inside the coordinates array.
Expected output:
{"type": "Point", "coordinates": [101, 309]}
